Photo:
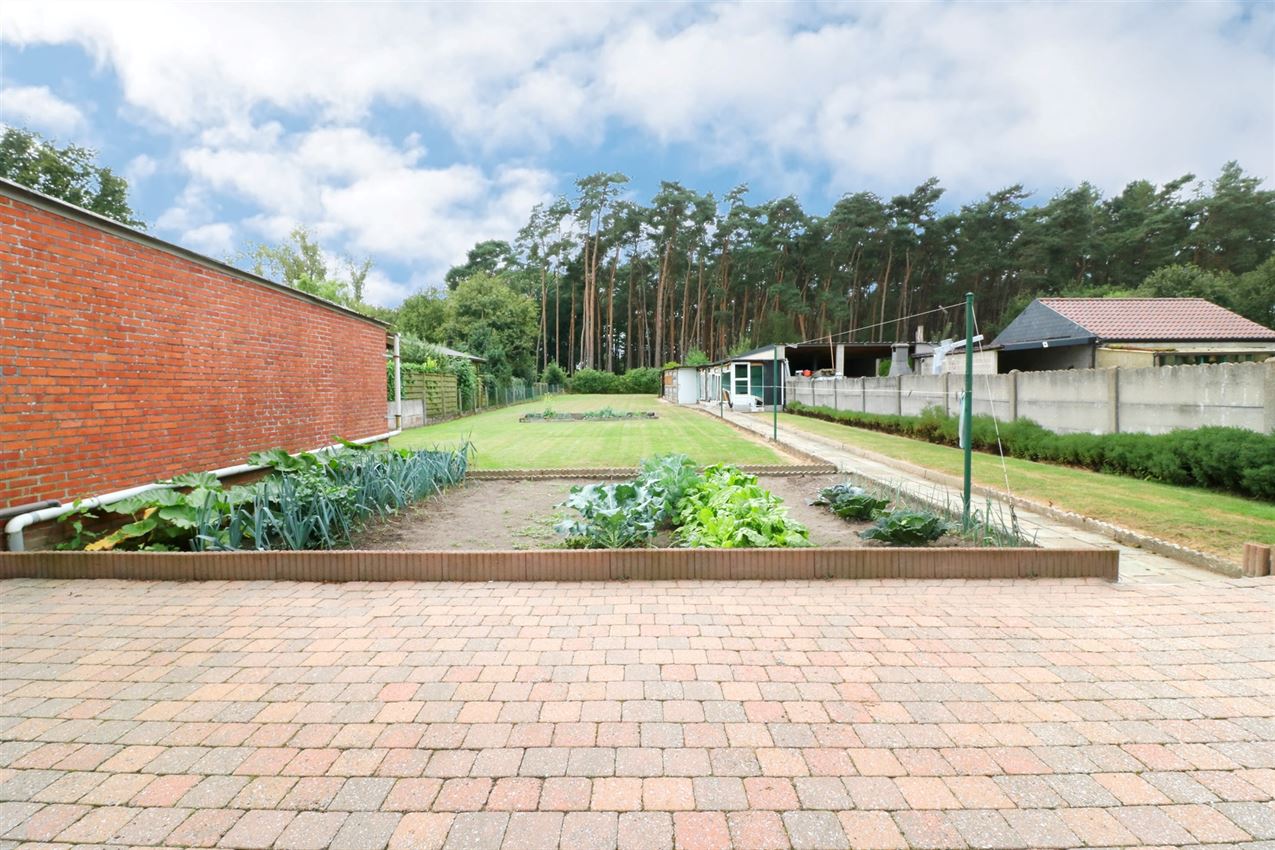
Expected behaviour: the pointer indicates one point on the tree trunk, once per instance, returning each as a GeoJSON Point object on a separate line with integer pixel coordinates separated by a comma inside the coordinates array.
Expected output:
{"type": "Point", "coordinates": [615, 262]}
{"type": "Point", "coordinates": [571, 334]}
{"type": "Point", "coordinates": [544, 317]}
{"type": "Point", "coordinates": [659, 301]}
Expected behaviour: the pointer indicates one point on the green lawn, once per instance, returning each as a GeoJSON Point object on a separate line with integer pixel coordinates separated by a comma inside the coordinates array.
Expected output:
{"type": "Point", "coordinates": [1201, 519]}
{"type": "Point", "coordinates": [502, 442]}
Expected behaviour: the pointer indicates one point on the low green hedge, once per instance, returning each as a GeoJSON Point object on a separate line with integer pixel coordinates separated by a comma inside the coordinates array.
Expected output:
{"type": "Point", "coordinates": [643, 381]}
{"type": "Point", "coordinates": [1232, 459]}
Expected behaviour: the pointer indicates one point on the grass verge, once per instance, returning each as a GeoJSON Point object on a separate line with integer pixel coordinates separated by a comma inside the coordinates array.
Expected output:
{"type": "Point", "coordinates": [1215, 523]}
{"type": "Point", "coordinates": [502, 442]}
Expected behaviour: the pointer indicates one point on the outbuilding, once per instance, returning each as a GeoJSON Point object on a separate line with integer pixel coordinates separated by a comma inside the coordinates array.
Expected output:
{"type": "Point", "coordinates": [1089, 333]}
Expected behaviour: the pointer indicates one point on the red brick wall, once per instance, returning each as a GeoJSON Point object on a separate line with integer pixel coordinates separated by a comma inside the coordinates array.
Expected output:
{"type": "Point", "coordinates": [122, 363]}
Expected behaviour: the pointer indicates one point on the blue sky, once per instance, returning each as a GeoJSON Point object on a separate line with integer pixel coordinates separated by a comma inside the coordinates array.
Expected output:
{"type": "Point", "coordinates": [408, 132]}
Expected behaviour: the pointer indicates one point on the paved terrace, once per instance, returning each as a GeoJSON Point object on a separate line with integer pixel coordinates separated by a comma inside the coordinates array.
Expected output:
{"type": "Point", "coordinates": [696, 715]}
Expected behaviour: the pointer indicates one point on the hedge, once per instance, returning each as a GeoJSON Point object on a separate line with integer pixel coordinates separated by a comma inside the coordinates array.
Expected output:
{"type": "Point", "coordinates": [643, 381]}
{"type": "Point", "coordinates": [1232, 459]}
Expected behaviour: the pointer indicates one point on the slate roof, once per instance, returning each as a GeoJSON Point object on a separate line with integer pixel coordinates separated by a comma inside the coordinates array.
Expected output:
{"type": "Point", "coordinates": [1130, 319]}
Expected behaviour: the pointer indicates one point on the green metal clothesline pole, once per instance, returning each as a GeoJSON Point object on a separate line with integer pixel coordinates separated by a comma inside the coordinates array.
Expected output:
{"type": "Point", "coordinates": [967, 406]}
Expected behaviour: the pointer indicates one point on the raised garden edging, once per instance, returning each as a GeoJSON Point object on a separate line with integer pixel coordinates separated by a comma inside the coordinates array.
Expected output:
{"type": "Point", "coordinates": [585, 417]}
{"type": "Point", "coordinates": [622, 472]}
{"type": "Point", "coordinates": [568, 565]}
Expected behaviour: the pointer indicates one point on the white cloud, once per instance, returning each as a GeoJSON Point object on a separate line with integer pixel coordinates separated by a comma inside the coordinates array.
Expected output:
{"type": "Point", "coordinates": [358, 192]}
{"type": "Point", "coordinates": [40, 109]}
{"type": "Point", "coordinates": [216, 240]}
{"type": "Point", "coordinates": [786, 96]}
{"type": "Point", "coordinates": [976, 93]}
{"type": "Point", "coordinates": [139, 168]}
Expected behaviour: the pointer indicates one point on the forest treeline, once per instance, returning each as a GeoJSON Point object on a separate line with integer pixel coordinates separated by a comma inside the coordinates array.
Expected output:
{"type": "Point", "coordinates": [616, 284]}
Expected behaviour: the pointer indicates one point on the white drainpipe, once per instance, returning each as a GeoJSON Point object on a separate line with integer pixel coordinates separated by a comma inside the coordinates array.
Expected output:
{"type": "Point", "coordinates": [398, 385]}
{"type": "Point", "coordinates": [13, 528]}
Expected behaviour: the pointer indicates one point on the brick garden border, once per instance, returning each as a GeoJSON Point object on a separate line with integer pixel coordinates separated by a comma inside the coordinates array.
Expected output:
{"type": "Point", "coordinates": [568, 565]}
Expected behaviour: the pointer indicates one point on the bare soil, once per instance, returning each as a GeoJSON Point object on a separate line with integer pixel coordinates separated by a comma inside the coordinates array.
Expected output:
{"type": "Point", "coordinates": [502, 515]}
{"type": "Point", "coordinates": [477, 515]}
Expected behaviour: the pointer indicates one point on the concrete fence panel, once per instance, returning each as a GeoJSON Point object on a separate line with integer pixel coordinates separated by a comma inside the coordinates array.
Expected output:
{"type": "Point", "coordinates": [1156, 400]}
{"type": "Point", "coordinates": [1075, 400]}
{"type": "Point", "coordinates": [917, 392]}
{"type": "Point", "coordinates": [1099, 401]}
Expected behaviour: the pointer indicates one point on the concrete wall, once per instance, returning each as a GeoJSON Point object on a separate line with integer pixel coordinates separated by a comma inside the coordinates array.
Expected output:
{"type": "Point", "coordinates": [1066, 401]}
{"type": "Point", "coordinates": [125, 359]}
{"type": "Point", "coordinates": [413, 413]}
{"type": "Point", "coordinates": [1100, 401]}
{"type": "Point", "coordinates": [1241, 395]}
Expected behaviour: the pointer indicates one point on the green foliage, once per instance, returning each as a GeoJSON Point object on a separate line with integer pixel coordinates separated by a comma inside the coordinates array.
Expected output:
{"type": "Point", "coordinates": [488, 318]}
{"type": "Point", "coordinates": [686, 269]}
{"type": "Point", "coordinates": [1251, 294]}
{"type": "Point", "coordinates": [489, 258]}
{"type": "Point", "coordinates": [594, 381]}
{"type": "Point", "coordinates": [553, 375]}
{"type": "Point", "coordinates": [423, 315]}
{"type": "Point", "coordinates": [668, 478]}
{"type": "Point", "coordinates": [850, 502]}
{"type": "Point", "coordinates": [429, 360]}
{"type": "Point", "coordinates": [70, 173]}
{"type": "Point", "coordinates": [1231, 459]}
{"type": "Point", "coordinates": [310, 501]}
{"type": "Point", "coordinates": [907, 528]}
{"type": "Point", "coordinates": [728, 509]}
{"type": "Point", "coordinates": [612, 516]}
{"type": "Point", "coordinates": [695, 357]}
{"type": "Point", "coordinates": [300, 263]}
{"type": "Point", "coordinates": [623, 516]}
{"type": "Point", "coordinates": [641, 381]}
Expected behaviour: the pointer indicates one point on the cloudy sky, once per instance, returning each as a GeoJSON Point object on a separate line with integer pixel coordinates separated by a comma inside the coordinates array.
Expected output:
{"type": "Point", "coordinates": [409, 132]}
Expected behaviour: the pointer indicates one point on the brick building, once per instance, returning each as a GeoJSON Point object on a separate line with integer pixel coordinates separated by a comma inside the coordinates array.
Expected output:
{"type": "Point", "coordinates": [125, 359]}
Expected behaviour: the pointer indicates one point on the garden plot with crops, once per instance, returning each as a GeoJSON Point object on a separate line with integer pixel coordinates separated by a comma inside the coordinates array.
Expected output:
{"type": "Point", "coordinates": [672, 503]}
{"type": "Point", "coordinates": [306, 501]}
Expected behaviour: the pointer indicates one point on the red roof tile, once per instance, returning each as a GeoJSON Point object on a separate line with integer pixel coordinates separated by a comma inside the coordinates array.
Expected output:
{"type": "Point", "coordinates": [1157, 319]}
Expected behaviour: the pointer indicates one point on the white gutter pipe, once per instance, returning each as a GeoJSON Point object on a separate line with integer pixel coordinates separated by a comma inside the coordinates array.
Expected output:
{"type": "Point", "coordinates": [14, 527]}
{"type": "Point", "coordinates": [398, 385]}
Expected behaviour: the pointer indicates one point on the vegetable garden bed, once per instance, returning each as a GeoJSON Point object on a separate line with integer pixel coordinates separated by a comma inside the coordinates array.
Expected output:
{"type": "Point", "coordinates": [591, 416]}
{"type": "Point", "coordinates": [500, 515]}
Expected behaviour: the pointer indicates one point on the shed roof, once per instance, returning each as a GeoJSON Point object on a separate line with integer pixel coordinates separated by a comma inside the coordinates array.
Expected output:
{"type": "Point", "coordinates": [451, 352]}
{"type": "Point", "coordinates": [1147, 319]}
{"type": "Point", "coordinates": [1157, 318]}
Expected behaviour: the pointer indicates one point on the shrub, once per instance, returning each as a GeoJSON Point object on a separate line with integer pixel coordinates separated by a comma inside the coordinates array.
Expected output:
{"type": "Point", "coordinates": [644, 380]}
{"type": "Point", "coordinates": [1232, 459]}
{"type": "Point", "coordinates": [553, 375]}
{"type": "Point", "coordinates": [593, 381]}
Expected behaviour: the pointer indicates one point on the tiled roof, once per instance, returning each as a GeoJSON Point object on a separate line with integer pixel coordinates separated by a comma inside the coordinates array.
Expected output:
{"type": "Point", "coordinates": [1157, 319]}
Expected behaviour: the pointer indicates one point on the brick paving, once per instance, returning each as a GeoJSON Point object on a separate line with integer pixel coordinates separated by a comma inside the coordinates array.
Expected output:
{"type": "Point", "coordinates": [741, 715]}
